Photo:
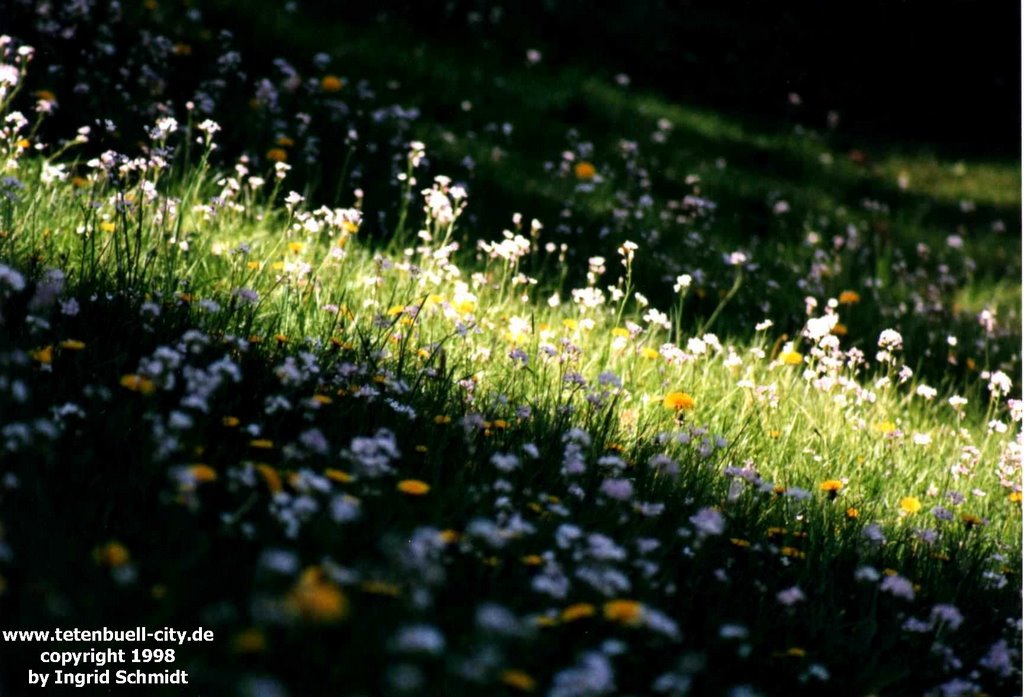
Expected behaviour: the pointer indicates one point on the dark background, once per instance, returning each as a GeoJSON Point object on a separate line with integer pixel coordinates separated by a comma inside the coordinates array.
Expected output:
{"type": "Point", "coordinates": [945, 73]}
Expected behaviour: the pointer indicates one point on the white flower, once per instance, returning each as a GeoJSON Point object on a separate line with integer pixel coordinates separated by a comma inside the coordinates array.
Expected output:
{"type": "Point", "coordinates": [682, 283]}
{"type": "Point", "coordinates": [790, 596]}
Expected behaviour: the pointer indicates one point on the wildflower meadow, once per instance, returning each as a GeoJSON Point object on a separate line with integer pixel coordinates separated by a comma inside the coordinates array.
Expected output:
{"type": "Point", "coordinates": [410, 373]}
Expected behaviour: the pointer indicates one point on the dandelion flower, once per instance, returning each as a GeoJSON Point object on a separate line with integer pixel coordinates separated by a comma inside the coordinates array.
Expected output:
{"type": "Point", "coordinates": [413, 487]}
{"type": "Point", "coordinates": [72, 345]}
{"type": "Point", "coordinates": [628, 612]}
{"type": "Point", "coordinates": [831, 487]}
{"type": "Point", "coordinates": [261, 443]}
{"type": "Point", "coordinates": [577, 611]}
{"type": "Point", "coordinates": [277, 155]}
{"type": "Point", "coordinates": [649, 353]}
{"type": "Point", "coordinates": [584, 171]}
{"type": "Point", "coordinates": [43, 355]}
{"type": "Point", "coordinates": [518, 680]}
{"type": "Point", "coordinates": [791, 358]}
{"type": "Point", "coordinates": [201, 474]}
{"type": "Point", "coordinates": [331, 83]}
{"type": "Point", "coordinates": [910, 504]}
{"type": "Point", "coordinates": [113, 555]}
{"type": "Point", "coordinates": [137, 383]}
{"type": "Point", "coordinates": [270, 477]}
{"type": "Point", "coordinates": [315, 598]}
{"type": "Point", "coordinates": [678, 401]}
{"type": "Point", "coordinates": [849, 297]}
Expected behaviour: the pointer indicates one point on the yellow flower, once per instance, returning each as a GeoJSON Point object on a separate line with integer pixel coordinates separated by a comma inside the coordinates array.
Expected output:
{"type": "Point", "coordinates": [202, 473]}
{"type": "Point", "coordinates": [831, 487]}
{"type": "Point", "coordinates": [623, 611]}
{"type": "Point", "coordinates": [740, 542]}
{"type": "Point", "coordinates": [796, 652]}
{"type": "Point", "coordinates": [910, 504]}
{"type": "Point", "coordinates": [449, 536]}
{"type": "Point", "coordinates": [532, 560]}
{"type": "Point", "coordinates": [413, 487]}
{"type": "Point", "coordinates": [261, 443]}
{"type": "Point", "coordinates": [339, 476]}
{"type": "Point", "coordinates": [840, 329]}
{"type": "Point", "coordinates": [442, 419]}
{"type": "Point", "coordinates": [649, 353]}
{"type": "Point", "coordinates": [296, 247]}
{"type": "Point", "coordinates": [885, 427]}
{"type": "Point", "coordinates": [791, 358]}
{"type": "Point", "coordinates": [621, 332]}
{"type": "Point", "coordinates": [270, 477]}
{"type": "Point", "coordinates": [331, 83]}
{"type": "Point", "coordinates": [72, 345]}
{"type": "Point", "coordinates": [137, 383]}
{"type": "Point", "coordinates": [230, 421]}
{"type": "Point", "coordinates": [849, 297]}
{"type": "Point", "coordinates": [577, 611]}
{"type": "Point", "coordinates": [43, 355]}
{"type": "Point", "coordinates": [113, 554]}
{"type": "Point", "coordinates": [584, 170]}
{"type": "Point", "coordinates": [1015, 497]}
{"type": "Point", "coordinates": [106, 226]}
{"type": "Point", "coordinates": [277, 155]}
{"type": "Point", "coordinates": [852, 513]}
{"type": "Point", "coordinates": [285, 141]}
{"type": "Point", "coordinates": [315, 598]}
{"type": "Point", "coordinates": [970, 520]}
{"type": "Point", "coordinates": [519, 680]}
{"type": "Point", "coordinates": [679, 401]}
{"type": "Point", "coordinates": [792, 552]}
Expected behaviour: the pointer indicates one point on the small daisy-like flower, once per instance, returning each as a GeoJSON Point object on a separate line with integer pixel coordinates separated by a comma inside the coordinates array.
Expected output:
{"type": "Point", "coordinates": [413, 487]}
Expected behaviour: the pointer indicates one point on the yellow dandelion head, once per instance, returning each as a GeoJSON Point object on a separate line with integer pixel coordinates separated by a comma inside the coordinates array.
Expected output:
{"type": "Point", "coordinates": [678, 401]}
{"type": "Point", "coordinates": [584, 171]}
{"type": "Point", "coordinates": [316, 598]}
{"type": "Point", "coordinates": [413, 487]}
{"type": "Point", "coordinates": [910, 504]}
{"type": "Point", "coordinates": [624, 611]}
{"type": "Point", "coordinates": [331, 83]}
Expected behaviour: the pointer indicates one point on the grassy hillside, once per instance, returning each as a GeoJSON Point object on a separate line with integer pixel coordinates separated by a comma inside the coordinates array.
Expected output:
{"type": "Point", "coordinates": [446, 371]}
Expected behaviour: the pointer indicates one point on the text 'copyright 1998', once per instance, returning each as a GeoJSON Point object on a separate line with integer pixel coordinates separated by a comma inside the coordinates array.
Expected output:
{"type": "Point", "coordinates": [105, 665]}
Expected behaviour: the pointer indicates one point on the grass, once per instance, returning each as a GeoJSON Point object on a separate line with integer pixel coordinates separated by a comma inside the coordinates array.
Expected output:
{"type": "Point", "coordinates": [379, 462]}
